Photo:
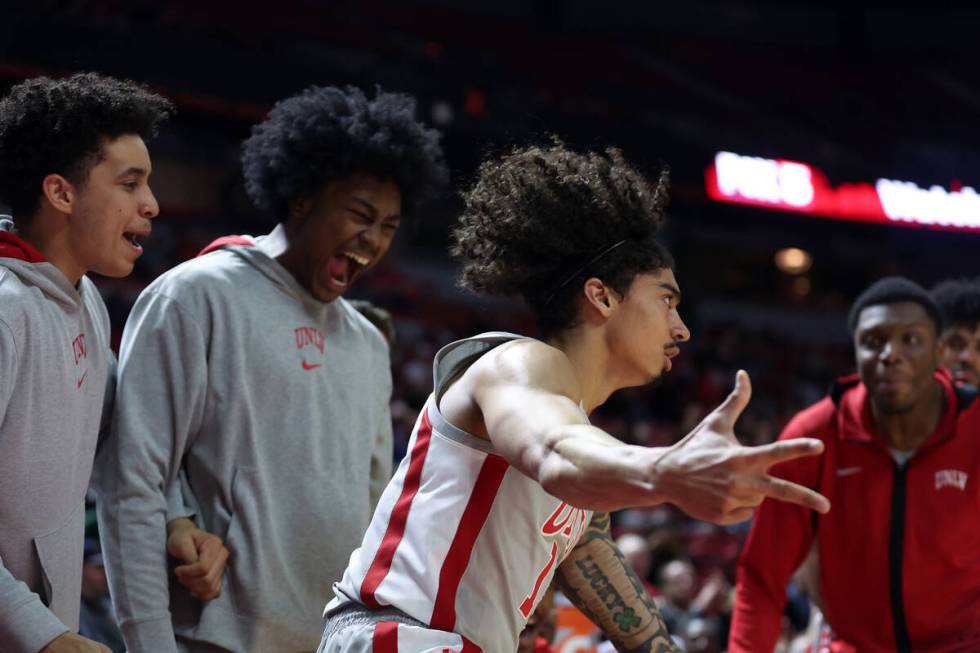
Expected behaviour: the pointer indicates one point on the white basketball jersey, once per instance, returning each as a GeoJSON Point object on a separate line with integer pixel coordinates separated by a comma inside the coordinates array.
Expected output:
{"type": "Point", "coordinates": [460, 540]}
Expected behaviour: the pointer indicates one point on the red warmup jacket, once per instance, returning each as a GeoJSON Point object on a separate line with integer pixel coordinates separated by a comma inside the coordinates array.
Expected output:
{"type": "Point", "coordinates": [899, 551]}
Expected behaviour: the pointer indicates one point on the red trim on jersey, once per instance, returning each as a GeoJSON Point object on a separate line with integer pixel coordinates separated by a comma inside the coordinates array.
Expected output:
{"type": "Point", "coordinates": [381, 564]}
{"type": "Point", "coordinates": [385, 637]}
{"type": "Point", "coordinates": [470, 647]}
{"type": "Point", "coordinates": [224, 241]}
{"type": "Point", "coordinates": [12, 246]}
{"type": "Point", "coordinates": [470, 524]}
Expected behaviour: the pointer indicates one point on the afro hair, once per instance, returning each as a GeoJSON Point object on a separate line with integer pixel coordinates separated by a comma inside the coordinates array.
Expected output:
{"type": "Point", "coordinates": [52, 126]}
{"type": "Point", "coordinates": [893, 290]}
{"type": "Point", "coordinates": [327, 133]}
{"type": "Point", "coordinates": [543, 216]}
{"type": "Point", "coordinates": [959, 302]}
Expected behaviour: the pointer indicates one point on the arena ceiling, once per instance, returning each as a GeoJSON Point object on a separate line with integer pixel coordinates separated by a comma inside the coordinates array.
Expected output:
{"type": "Point", "coordinates": [857, 87]}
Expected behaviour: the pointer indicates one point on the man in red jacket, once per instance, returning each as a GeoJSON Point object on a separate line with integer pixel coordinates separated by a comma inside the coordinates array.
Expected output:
{"type": "Point", "coordinates": [899, 553]}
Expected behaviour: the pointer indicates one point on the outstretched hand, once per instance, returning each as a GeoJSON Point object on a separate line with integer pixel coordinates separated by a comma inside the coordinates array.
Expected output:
{"type": "Point", "coordinates": [203, 556]}
{"type": "Point", "coordinates": [712, 477]}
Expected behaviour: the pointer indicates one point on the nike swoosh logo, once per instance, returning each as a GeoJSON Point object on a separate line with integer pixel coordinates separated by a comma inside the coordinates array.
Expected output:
{"type": "Point", "coordinates": [847, 471]}
{"type": "Point", "coordinates": [81, 380]}
{"type": "Point", "coordinates": [310, 366]}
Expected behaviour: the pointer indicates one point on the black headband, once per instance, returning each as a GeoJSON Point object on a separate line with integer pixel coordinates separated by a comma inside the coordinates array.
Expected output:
{"type": "Point", "coordinates": [582, 269]}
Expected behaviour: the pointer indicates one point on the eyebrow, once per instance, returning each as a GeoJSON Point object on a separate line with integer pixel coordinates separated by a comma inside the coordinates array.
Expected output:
{"type": "Point", "coordinates": [673, 289]}
{"type": "Point", "coordinates": [366, 204]}
{"type": "Point", "coordinates": [877, 328]}
{"type": "Point", "coordinates": [373, 209]}
{"type": "Point", "coordinates": [135, 170]}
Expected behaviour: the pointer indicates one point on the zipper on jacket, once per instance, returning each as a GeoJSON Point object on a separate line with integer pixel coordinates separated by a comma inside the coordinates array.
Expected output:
{"type": "Point", "coordinates": [896, 551]}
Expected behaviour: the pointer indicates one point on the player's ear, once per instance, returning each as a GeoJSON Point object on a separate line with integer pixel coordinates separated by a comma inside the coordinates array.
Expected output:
{"type": "Point", "coordinates": [599, 297]}
{"type": "Point", "coordinates": [299, 209]}
{"type": "Point", "coordinates": [59, 192]}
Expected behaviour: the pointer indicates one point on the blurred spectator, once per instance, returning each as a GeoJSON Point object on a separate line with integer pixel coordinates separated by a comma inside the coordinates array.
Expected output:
{"type": "Point", "coordinates": [377, 316]}
{"type": "Point", "coordinates": [97, 621]}
{"type": "Point", "coordinates": [637, 552]}
{"type": "Point", "coordinates": [682, 602]}
{"type": "Point", "coordinates": [701, 635]}
{"type": "Point", "coordinates": [959, 303]}
{"type": "Point", "coordinates": [678, 586]}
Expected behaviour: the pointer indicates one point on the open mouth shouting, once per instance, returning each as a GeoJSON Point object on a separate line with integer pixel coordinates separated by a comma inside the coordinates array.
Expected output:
{"type": "Point", "coordinates": [132, 238]}
{"type": "Point", "coordinates": [344, 268]}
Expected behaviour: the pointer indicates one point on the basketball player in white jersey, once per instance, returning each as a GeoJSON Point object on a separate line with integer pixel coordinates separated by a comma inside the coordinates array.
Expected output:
{"type": "Point", "coordinates": [506, 484]}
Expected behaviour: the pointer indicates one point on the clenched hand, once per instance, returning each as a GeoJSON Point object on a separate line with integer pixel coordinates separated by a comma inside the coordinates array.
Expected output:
{"type": "Point", "coordinates": [204, 556]}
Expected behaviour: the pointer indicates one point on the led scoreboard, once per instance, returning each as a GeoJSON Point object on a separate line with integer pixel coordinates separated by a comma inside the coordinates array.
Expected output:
{"type": "Point", "coordinates": [802, 188]}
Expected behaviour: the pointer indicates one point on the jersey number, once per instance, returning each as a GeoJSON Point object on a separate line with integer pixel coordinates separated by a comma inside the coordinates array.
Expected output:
{"type": "Point", "coordinates": [529, 601]}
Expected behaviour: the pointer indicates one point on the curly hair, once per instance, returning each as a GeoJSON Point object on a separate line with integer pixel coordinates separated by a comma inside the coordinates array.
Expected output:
{"type": "Point", "coordinates": [958, 301]}
{"type": "Point", "coordinates": [543, 216]}
{"type": "Point", "coordinates": [59, 126]}
{"type": "Point", "coordinates": [327, 133]}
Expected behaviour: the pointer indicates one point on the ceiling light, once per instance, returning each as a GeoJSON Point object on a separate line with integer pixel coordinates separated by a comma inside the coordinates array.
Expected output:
{"type": "Point", "coordinates": [793, 260]}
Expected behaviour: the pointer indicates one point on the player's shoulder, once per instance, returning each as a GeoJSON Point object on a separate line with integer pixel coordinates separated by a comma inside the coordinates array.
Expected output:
{"type": "Point", "coordinates": [19, 300]}
{"type": "Point", "coordinates": [522, 354]}
{"type": "Point", "coordinates": [13, 291]}
{"type": "Point", "coordinates": [214, 266]}
{"type": "Point", "coordinates": [213, 274]}
{"type": "Point", "coordinates": [527, 362]}
{"type": "Point", "coordinates": [12, 298]}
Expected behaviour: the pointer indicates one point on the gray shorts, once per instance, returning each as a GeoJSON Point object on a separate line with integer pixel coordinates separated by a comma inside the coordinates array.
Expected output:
{"type": "Point", "coordinates": [356, 629]}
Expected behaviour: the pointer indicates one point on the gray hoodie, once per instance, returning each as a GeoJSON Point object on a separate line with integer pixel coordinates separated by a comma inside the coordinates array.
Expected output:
{"type": "Point", "coordinates": [271, 409]}
{"type": "Point", "coordinates": [54, 363]}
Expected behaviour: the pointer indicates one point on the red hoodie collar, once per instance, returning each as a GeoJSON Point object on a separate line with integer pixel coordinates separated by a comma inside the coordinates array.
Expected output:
{"type": "Point", "coordinates": [12, 246]}
{"type": "Point", "coordinates": [856, 423]}
{"type": "Point", "coordinates": [225, 241]}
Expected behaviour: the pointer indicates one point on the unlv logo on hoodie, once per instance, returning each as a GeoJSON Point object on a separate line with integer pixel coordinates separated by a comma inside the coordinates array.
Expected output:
{"type": "Point", "coordinates": [78, 347]}
{"type": "Point", "coordinates": [307, 337]}
{"type": "Point", "coordinates": [79, 352]}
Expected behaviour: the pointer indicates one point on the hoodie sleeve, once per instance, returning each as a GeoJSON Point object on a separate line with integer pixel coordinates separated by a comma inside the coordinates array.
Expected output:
{"type": "Point", "coordinates": [159, 405]}
{"type": "Point", "coordinates": [26, 625]}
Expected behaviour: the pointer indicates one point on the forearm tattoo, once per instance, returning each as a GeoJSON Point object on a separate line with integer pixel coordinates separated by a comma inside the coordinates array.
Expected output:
{"type": "Point", "coordinates": [598, 580]}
